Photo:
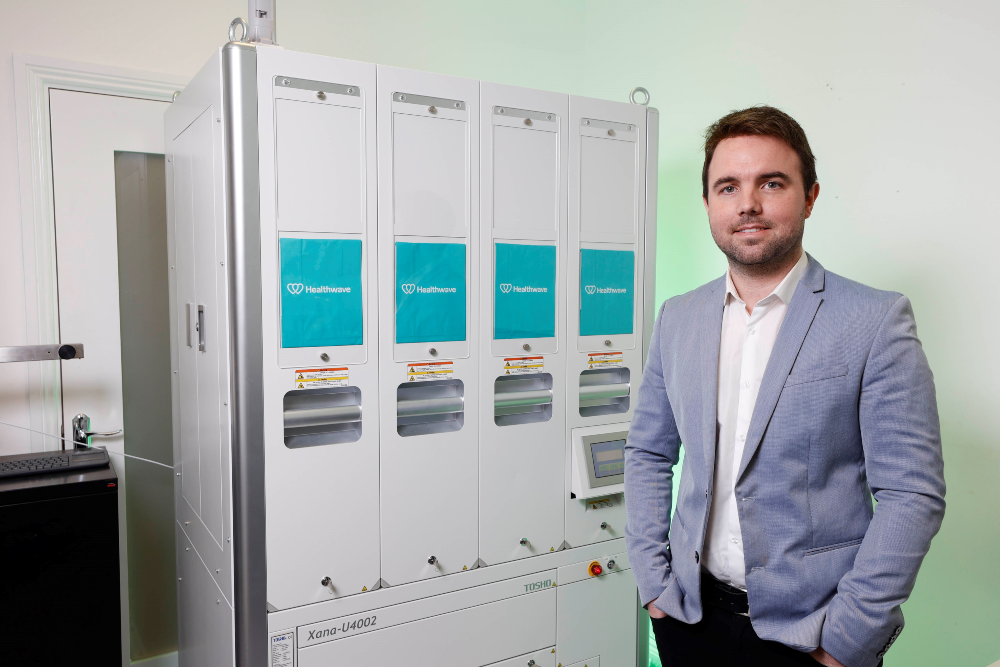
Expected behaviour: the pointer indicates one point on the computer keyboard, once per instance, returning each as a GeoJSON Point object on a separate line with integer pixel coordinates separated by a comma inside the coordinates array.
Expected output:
{"type": "Point", "coordinates": [38, 463]}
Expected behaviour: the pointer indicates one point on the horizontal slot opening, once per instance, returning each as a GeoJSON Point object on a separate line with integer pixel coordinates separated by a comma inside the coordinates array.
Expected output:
{"type": "Point", "coordinates": [604, 391]}
{"type": "Point", "coordinates": [435, 406]}
{"type": "Point", "coordinates": [327, 416]}
{"type": "Point", "coordinates": [522, 399]}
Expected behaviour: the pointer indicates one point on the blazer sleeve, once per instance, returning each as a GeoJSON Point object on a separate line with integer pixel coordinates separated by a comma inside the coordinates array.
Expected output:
{"type": "Point", "coordinates": [901, 438]}
{"type": "Point", "coordinates": [651, 451]}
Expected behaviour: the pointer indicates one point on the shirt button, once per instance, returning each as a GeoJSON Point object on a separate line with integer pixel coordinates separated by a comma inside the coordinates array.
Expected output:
{"type": "Point", "coordinates": [743, 438]}
{"type": "Point", "coordinates": [747, 384]}
{"type": "Point", "coordinates": [734, 540]}
{"type": "Point", "coordinates": [696, 557]}
{"type": "Point", "coordinates": [752, 331]}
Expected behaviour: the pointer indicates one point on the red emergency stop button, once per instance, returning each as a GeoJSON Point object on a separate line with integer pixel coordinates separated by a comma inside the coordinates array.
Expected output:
{"type": "Point", "coordinates": [595, 569]}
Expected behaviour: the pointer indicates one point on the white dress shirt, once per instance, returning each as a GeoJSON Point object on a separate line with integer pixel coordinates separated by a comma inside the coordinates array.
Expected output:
{"type": "Point", "coordinates": [744, 349]}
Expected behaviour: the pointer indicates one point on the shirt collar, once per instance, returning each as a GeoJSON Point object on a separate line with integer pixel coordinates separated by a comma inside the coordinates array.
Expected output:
{"type": "Point", "coordinates": [784, 290]}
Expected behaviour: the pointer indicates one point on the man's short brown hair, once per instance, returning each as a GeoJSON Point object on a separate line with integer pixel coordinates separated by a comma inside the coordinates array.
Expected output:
{"type": "Point", "coordinates": [762, 121]}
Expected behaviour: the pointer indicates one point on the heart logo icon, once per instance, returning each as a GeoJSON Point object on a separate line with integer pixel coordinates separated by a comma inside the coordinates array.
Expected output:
{"type": "Point", "coordinates": [590, 289]}
{"type": "Point", "coordinates": [408, 288]}
{"type": "Point", "coordinates": [505, 287]}
{"type": "Point", "coordinates": [295, 288]}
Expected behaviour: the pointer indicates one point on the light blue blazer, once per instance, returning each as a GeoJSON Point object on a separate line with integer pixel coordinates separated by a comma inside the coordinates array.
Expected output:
{"type": "Point", "coordinates": [846, 410]}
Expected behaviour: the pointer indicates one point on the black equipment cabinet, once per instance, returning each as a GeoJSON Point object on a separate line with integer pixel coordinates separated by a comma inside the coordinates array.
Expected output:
{"type": "Point", "coordinates": [59, 582]}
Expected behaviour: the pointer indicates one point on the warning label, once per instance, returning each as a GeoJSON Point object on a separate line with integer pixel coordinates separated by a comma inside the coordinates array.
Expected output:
{"type": "Point", "coordinates": [283, 650]}
{"type": "Point", "coordinates": [604, 360]}
{"type": "Point", "coordinates": [317, 378]}
{"type": "Point", "coordinates": [429, 370]}
{"type": "Point", "coordinates": [523, 365]}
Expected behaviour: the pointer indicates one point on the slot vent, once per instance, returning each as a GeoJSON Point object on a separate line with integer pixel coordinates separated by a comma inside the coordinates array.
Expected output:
{"type": "Point", "coordinates": [522, 399]}
{"type": "Point", "coordinates": [604, 391]}
{"type": "Point", "coordinates": [436, 406]}
{"type": "Point", "coordinates": [328, 416]}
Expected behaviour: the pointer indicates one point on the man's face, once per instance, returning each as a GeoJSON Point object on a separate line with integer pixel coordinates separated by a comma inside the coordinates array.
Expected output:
{"type": "Point", "coordinates": [756, 203]}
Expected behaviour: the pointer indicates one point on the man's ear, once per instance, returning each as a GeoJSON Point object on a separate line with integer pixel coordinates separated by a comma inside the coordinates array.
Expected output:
{"type": "Point", "coordinates": [810, 198]}
{"type": "Point", "coordinates": [704, 200]}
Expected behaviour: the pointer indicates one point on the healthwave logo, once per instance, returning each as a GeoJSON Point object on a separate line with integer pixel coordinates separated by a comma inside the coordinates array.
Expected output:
{"type": "Point", "coordinates": [594, 289]}
{"type": "Point", "coordinates": [507, 288]}
{"type": "Point", "coordinates": [410, 288]}
{"type": "Point", "coordinates": [298, 288]}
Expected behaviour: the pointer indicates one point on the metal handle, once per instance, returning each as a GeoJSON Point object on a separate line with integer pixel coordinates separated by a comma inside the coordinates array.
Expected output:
{"type": "Point", "coordinates": [200, 328]}
{"type": "Point", "coordinates": [41, 352]}
{"type": "Point", "coordinates": [514, 399]}
{"type": "Point", "coordinates": [430, 406]}
{"type": "Point", "coordinates": [82, 433]}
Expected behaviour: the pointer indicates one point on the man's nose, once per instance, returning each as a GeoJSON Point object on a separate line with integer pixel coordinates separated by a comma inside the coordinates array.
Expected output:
{"type": "Point", "coordinates": [750, 203]}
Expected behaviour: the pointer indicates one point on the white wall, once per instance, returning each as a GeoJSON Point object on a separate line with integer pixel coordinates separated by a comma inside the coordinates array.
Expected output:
{"type": "Point", "coordinates": [140, 35]}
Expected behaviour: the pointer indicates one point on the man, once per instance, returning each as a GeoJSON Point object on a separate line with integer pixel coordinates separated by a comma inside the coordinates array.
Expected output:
{"type": "Point", "coordinates": [798, 395]}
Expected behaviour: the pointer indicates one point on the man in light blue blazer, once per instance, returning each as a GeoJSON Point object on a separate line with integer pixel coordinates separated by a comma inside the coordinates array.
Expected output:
{"type": "Point", "coordinates": [798, 395]}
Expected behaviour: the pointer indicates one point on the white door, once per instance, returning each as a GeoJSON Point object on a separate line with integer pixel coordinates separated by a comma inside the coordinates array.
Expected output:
{"type": "Point", "coordinates": [104, 164]}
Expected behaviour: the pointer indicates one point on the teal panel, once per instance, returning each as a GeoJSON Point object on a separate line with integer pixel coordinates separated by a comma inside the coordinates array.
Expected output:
{"type": "Point", "coordinates": [430, 292]}
{"type": "Point", "coordinates": [607, 300]}
{"type": "Point", "coordinates": [321, 293]}
{"type": "Point", "coordinates": [524, 291]}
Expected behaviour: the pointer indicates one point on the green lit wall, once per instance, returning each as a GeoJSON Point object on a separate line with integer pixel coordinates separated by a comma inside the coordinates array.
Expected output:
{"type": "Point", "coordinates": [898, 99]}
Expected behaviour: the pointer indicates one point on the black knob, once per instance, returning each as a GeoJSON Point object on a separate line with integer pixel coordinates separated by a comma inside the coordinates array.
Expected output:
{"type": "Point", "coordinates": [67, 352]}
{"type": "Point", "coordinates": [326, 581]}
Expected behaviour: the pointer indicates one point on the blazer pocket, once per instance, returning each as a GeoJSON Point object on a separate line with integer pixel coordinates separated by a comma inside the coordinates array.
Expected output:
{"type": "Point", "coordinates": [833, 547]}
{"type": "Point", "coordinates": [816, 374]}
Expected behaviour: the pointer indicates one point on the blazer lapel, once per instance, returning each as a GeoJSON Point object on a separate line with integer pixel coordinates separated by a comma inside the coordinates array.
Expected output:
{"type": "Point", "coordinates": [799, 317]}
{"type": "Point", "coordinates": [710, 334]}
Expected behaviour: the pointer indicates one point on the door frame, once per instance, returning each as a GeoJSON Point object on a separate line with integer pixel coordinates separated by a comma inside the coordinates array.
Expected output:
{"type": "Point", "coordinates": [34, 76]}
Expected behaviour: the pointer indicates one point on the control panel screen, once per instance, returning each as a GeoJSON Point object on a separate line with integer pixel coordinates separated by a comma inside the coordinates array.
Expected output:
{"type": "Point", "coordinates": [609, 458]}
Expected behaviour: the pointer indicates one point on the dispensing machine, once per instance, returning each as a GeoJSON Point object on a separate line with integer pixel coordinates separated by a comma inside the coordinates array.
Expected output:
{"type": "Point", "coordinates": [409, 313]}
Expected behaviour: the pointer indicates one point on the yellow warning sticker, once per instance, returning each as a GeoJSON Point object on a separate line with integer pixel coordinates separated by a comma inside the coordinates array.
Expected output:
{"type": "Point", "coordinates": [429, 370]}
{"type": "Point", "coordinates": [605, 360]}
{"type": "Point", "coordinates": [523, 365]}
{"type": "Point", "coordinates": [318, 378]}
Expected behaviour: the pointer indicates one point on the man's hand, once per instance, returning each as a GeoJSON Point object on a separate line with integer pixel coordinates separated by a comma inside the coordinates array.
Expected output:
{"type": "Point", "coordinates": [655, 612]}
{"type": "Point", "coordinates": [822, 657]}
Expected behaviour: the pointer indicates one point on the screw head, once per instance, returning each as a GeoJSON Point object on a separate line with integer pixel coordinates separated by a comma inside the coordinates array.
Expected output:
{"type": "Point", "coordinates": [548, 117]}
{"type": "Point", "coordinates": [350, 91]}
{"type": "Point", "coordinates": [402, 98]}
{"type": "Point", "coordinates": [325, 582]}
{"type": "Point", "coordinates": [432, 109]}
{"type": "Point", "coordinates": [523, 541]}
{"type": "Point", "coordinates": [525, 347]}
{"type": "Point", "coordinates": [432, 560]}
{"type": "Point", "coordinates": [527, 121]}
{"type": "Point", "coordinates": [604, 525]}
{"type": "Point", "coordinates": [611, 133]}
{"type": "Point", "coordinates": [501, 111]}
{"type": "Point", "coordinates": [607, 343]}
{"type": "Point", "coordinates": [458, 105]}
{"type": "Point", "coordinates": [325, 356]}
{"type": "Point", "coordinates": [285, 82]}
{"type": "Point", "coordinates": [586, 122]}
{"type": "Point", "coordinates": [433, 352]}
{"type": "Point", "coordinates": [611, 564]}
{"type": "Point", "coordinates": [321, 95]}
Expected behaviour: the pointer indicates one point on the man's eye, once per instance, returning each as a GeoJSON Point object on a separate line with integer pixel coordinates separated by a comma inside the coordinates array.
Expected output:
{"type": "Point", "coordinates": [729, 189]}
{"type": "Point", "coordinates": [772, 185]}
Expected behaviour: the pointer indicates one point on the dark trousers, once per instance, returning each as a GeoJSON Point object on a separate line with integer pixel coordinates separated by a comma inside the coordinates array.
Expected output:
{"type": "Point", "coordinates": [721, 638]}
